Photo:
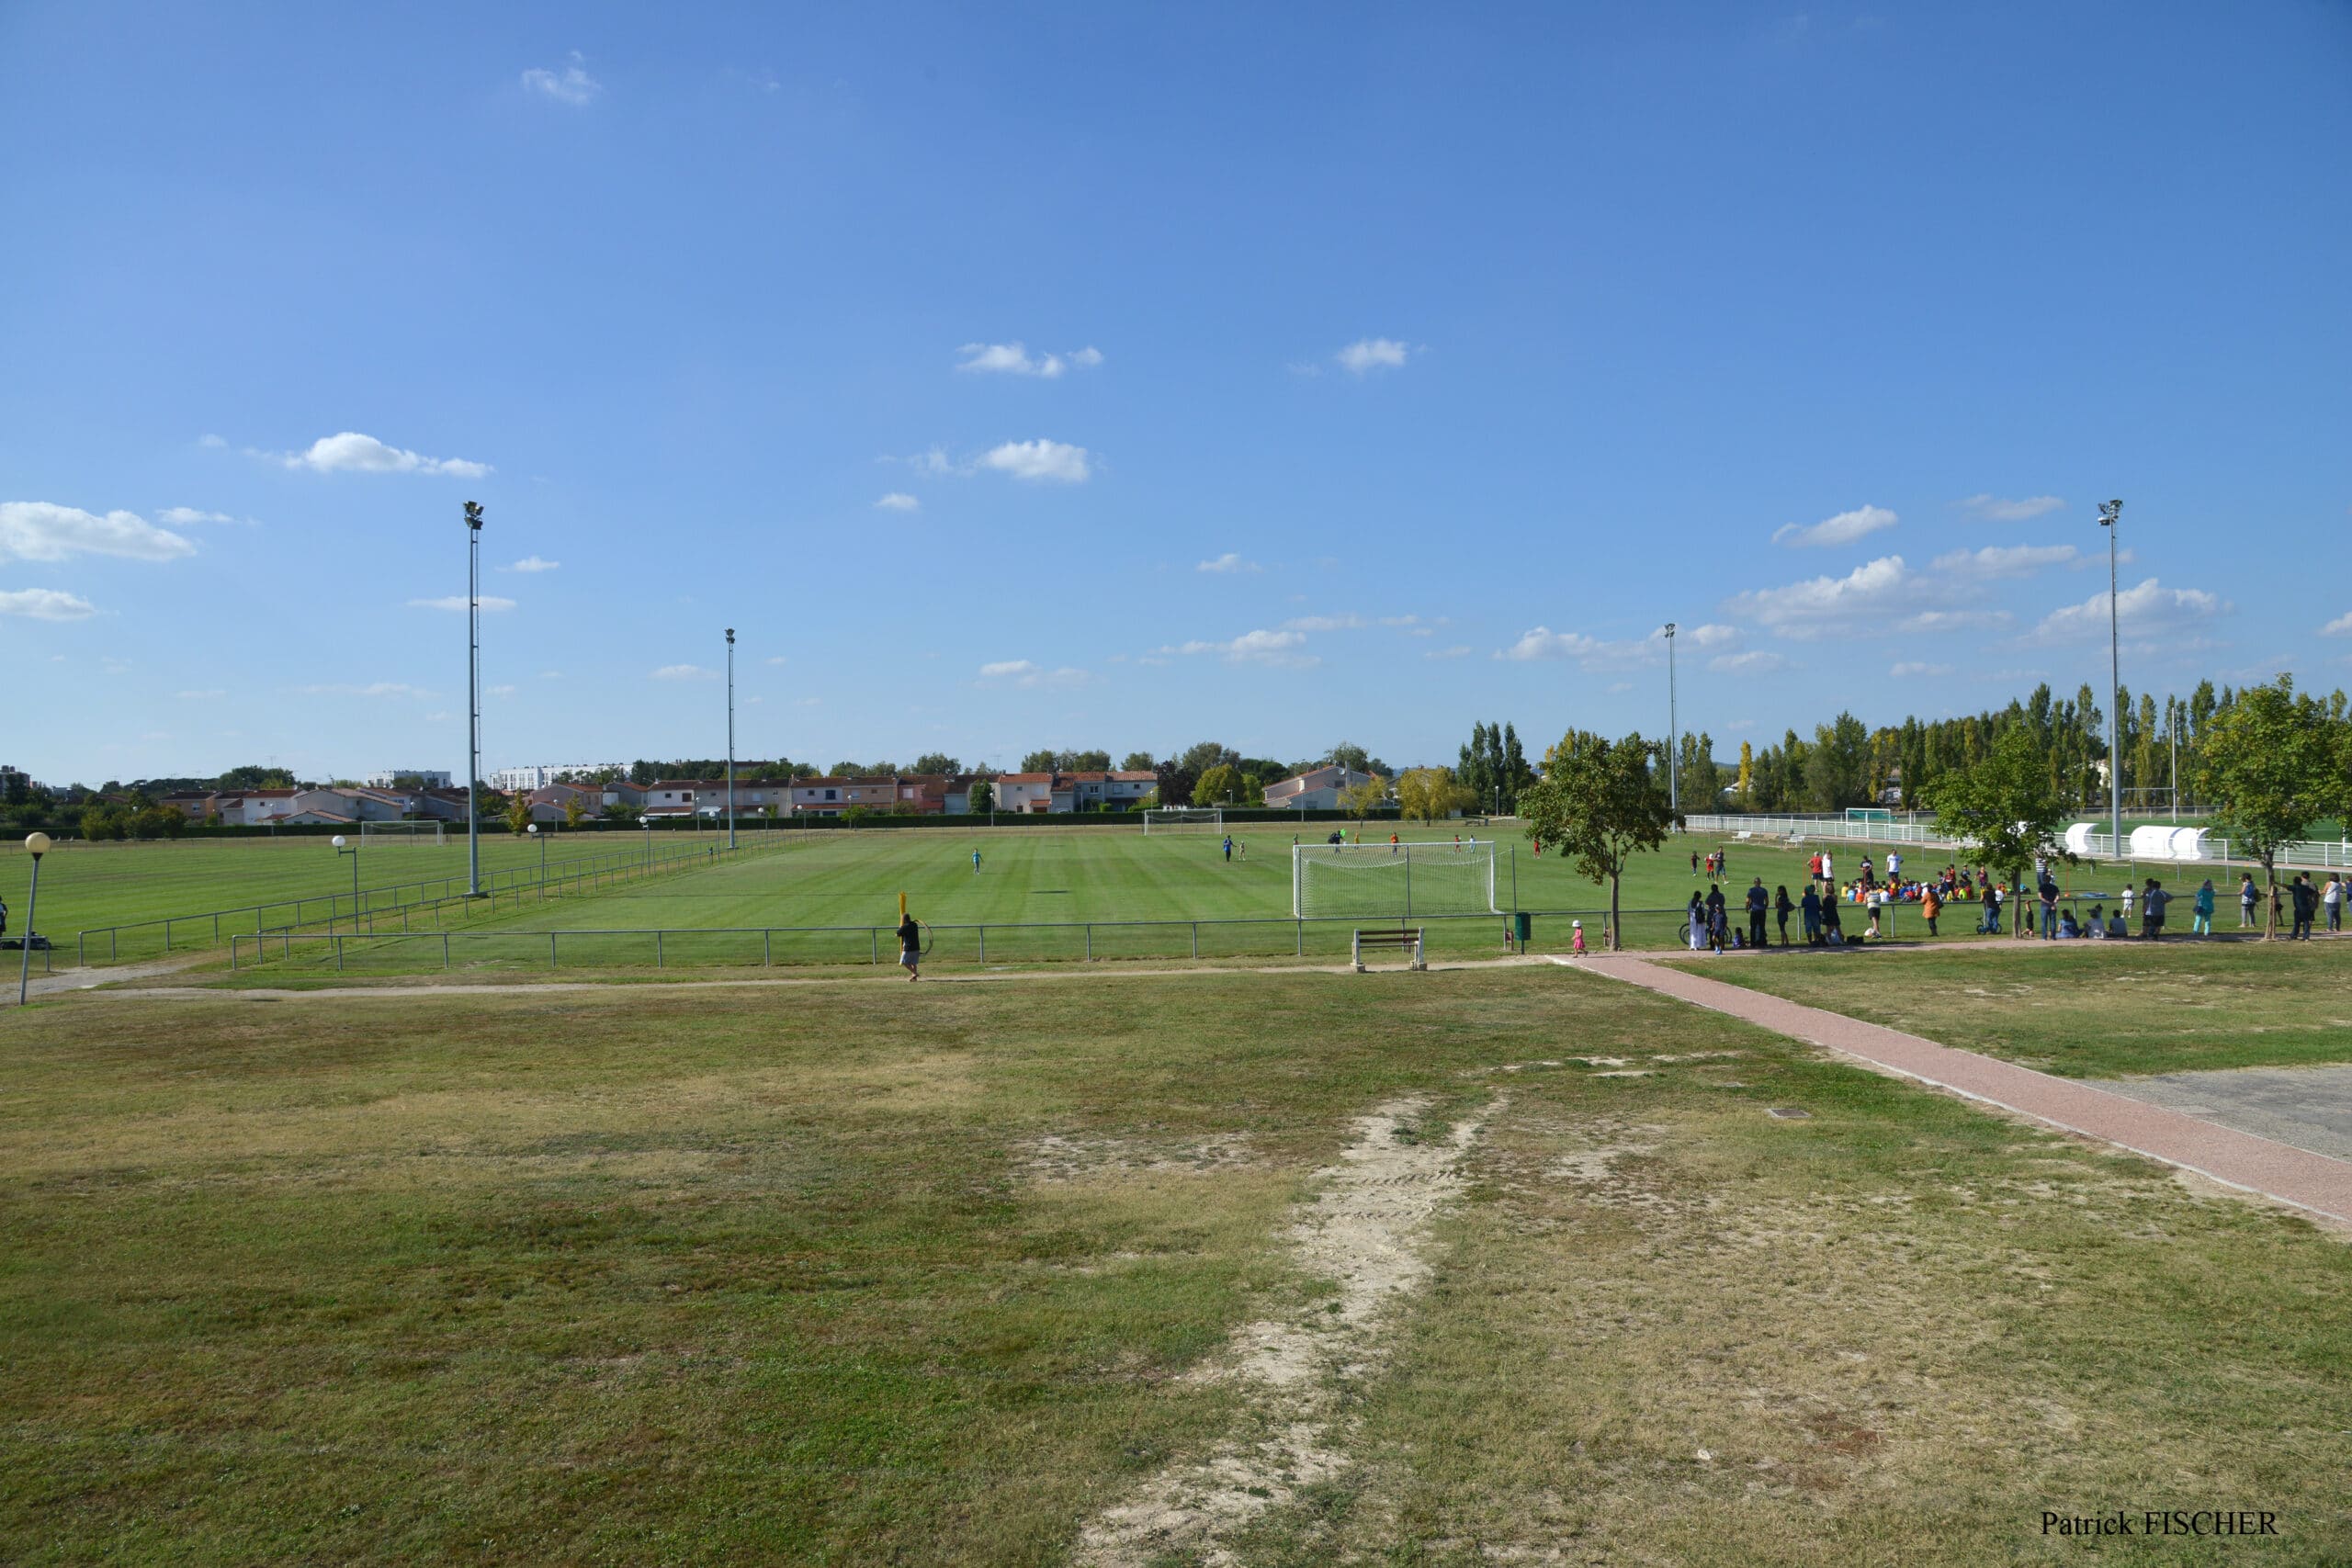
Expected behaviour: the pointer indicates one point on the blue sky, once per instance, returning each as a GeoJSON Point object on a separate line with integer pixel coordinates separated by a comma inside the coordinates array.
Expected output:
{"type": "Point", "coordinates": [1276, 375]}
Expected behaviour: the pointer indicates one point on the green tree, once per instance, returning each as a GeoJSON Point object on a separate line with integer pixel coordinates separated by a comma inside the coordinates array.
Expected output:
{"type": "Point", "coordinates": [1213, 787]}
{"type": "Point", "coordinates": [1360, 801]}
{"type": "Point", "coordinates": [983, 795]}
{"type": "Point", "coordinates": [1599, 803]}
{"type": "Point", "coordinates": [2271, 764]}
{"type": "Point", "coordinates": [1836, 765]}
{"type": "Point", "coordinates": [1427, 794]}
{"type": "Point", "coordinates": [2009, 808]}
{"type": "Point", "coordinates": [518, 812]}
{"type": "Point", "coordinates": [938, 764]}
{"type": "Point", "coordinates": [1138, 762]}
{"type": "Point", "coordinates": [575, 811]}
{"type": "Point", "coordinates": [1038, 762]}
{"type": "Point", "coordinates": [1746, 785]}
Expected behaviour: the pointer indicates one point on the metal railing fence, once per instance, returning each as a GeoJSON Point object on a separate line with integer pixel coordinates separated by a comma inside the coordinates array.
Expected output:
{"type": "Point", "coordinates": [2313, 853]}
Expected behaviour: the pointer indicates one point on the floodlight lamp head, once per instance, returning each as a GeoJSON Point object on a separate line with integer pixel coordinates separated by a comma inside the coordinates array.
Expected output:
{"type": "Point", "coordinates": [2108, 511]}
{"type": "Point", "coordinates": [1670, 628]}
{"type": "Point", "coordinates": [36, 844]}
{"type": "Point", "coordinates": [730, 637]}
{"type": "Point", "coordinates": [473, 515]}
{"type": "Point", "coordinates": [338, 841]}
{"type": "Point", "coordinates": [532, 828]}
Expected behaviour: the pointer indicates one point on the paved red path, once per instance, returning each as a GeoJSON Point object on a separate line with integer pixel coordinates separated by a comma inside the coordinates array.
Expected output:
{"type": "Point", "coordinates": [2309, 1182]}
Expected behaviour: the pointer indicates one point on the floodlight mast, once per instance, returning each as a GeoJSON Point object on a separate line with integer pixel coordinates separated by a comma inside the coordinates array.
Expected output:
{"type": "Point", "coordinates": [473, 697]}
{"type": "Point", "coordinates": [730, 737]}
{"type": "Point", "coordinates": [2109, 515]}
{"type": "Point", "coordinates": [1673, 730]}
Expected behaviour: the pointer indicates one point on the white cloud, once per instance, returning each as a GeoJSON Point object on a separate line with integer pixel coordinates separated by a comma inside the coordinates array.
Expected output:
{"type": "Point", "coordinates": [1617, 686]}
{"type": "Point", "coordinates": [551, 674]}
{"type": "Point", "coordinates": [1053, 461]}
{"type": "Point", "coordinates": [571, 85]}
{"type": "Point", "coordinates": [209, 694]}
{"type": "Point", "coordinates": [1928, 622]}
{"type": "Point", "coordinates": [1712, 636]}
{"type": "Point", "coordinates": [898, 500]}
{"type": "Point", "coordinates": [499, 691]}
{"type": "Point", "coordinates": [45, 605]}
{"type": "Point", "coordinates": [210, 440]}
{"type": "Point", "coordinates": [1908, 668]}
{"type": "Point", "coordinates": [1023, 672]}
{"type": "Point", "coordinates": [1999, 562]}
{"type": "Point", "coordinates": [1589, 652]}
{"type": "Point", "coordinates": [1013, 359]}
{"type": "Point", "coordinates": [2340, 627]}
{"type": "Point", "coordinates": [1842, 529]}
{"type": "Point", "coordinates": [777, 659]}
{"type": "Point", "coordinates": [1830, 605]}
{"type": "Point", "coordinates": [534, 563]}
{"type": "Point", "coordinates": [684, 672]}
{"type": "Point", "coordinates": [350, 452]}
{"type": "Point", "coordinates": [1313, 623]}
{"type": "Point", "coordinates": [373, 689]}
{"type": "Point", "coordinates": [1755, 663]}
{"type": "Point", "coordinates": [2149, 610]}
{"type": "Point", "coordinates": [458, 601]}
{"type": "Point", "coordinates": [1993, 509]}
{"type": "Point", "coordinates": [41, 530]}
{"type": "Point", "coordinates": [1367, 355]}
{"type": "Point", "coordinates": [1460, 650]}
{"type": "Point", "coordinates": [1281, 649]}
{"type": "Point", "coordinates": [1229, 562]}
{"type": "Point", "coordinates": [189, 518]}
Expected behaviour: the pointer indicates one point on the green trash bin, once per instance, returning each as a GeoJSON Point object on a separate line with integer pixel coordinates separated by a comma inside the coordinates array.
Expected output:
{"type": "Point", "coordinates": [1523, 926]}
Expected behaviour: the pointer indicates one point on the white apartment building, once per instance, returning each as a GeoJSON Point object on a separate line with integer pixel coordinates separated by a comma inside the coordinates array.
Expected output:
{"type": "Point", "coordinates": [427, 778]}
{"type": "Point", "coordinates": [538, 775]}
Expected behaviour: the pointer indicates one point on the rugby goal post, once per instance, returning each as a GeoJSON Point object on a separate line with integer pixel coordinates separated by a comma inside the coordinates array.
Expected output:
{"type": "Point", "coordinates": [1397, 880]}
{"type": "Point", "coordinates": [1183, 819]}
{"type": "Point", "coordinates": [429, 832]}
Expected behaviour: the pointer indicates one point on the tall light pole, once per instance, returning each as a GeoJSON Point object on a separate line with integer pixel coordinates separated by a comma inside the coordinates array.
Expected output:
{"type": "Point", "coordinates": [2109, 515]}
{"type": "Point", "coordinates": [730, 737]}
{"type": "Point", "coordinates": [2172, 730]}
{"type": "Point", "coordinates": [1673, 730]}
{"type": "Point", "coordinates": [474, 696]}
{"type": "Point", "coordinates": [36, 845]}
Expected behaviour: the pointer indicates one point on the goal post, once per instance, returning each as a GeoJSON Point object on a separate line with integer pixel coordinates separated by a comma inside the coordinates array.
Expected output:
{"type": "Point", "coordinates": [426, 832]}
{"type": "Point", "coordinates": [1183, 819]}
{"type": "Point", "coordinates": [1397, 881]}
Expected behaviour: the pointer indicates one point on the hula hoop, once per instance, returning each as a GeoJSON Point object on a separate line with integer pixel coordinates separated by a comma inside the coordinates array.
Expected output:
{"type": "Point", "coordinates": [929, 937]}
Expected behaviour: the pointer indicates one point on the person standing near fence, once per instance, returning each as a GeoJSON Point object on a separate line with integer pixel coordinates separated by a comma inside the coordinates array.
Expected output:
{"type": "Point", "coordinates": [2152, 911]}
{"type": "Point", "coordinates": [2306, 905]}
{"type": "Point", "coordinates": [2331, 899]}
{"type": "Point", "coordinates": [1931, 904]}
{"type": "Point", "coordinates": [2247, 896]}
{"type": "Point", "coordinates": [1758, 902]}
{"type": "Point", "coordinates": [909, 947]}
{"type": "Point", "coordinates": [2201, 923]}
{"type": "Point", "coordinates": [1780, 907]}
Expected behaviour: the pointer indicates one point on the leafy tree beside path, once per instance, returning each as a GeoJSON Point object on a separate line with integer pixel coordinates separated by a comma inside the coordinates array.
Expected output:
{"type": "Point", "coordinates": [1599, 803]}
{"type": "Point", "coordinates": [2272, 764]}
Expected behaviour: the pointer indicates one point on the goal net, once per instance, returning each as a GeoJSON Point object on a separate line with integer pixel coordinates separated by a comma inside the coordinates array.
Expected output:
{"type": "Point", "coordinates": [1397, 881]}
{"type": "Point", "coordinates": [400, 832]}
{"type": "Point", "coordinates": [1183, 819]}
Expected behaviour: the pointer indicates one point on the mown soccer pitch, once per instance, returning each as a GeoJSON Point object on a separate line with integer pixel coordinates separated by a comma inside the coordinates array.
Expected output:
{"type": "Point", "coordinates": [1042, 895]}
{"type": "Point", "coordinates": [1473, 1267]}
{"type": "Point", "coordinates": [822, 897]}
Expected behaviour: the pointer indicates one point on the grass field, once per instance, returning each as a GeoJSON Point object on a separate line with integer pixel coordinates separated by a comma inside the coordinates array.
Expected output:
{"type": "Point", "coordinates": [872, 1272]}
{"type": "Point", "coordinates": [2096, 1009]}
{"type": "Point", "coordinates": [839, 879]}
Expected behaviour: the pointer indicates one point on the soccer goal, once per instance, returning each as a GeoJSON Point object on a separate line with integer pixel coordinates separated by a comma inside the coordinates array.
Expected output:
{"type": "Point", "coordinates": [1183, 819]}
{"type": "Point", "coordinates": [400, 832]}
{"type": "Point", "coordinates": [1399, 880]}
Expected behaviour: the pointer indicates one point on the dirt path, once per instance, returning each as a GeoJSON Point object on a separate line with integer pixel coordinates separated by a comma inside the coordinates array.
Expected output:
{"type": "Point", "coordinates": [2312, 1182]}
{"type": "Point", "coordinates": [91, 978]}
{"type": "Point", "coordinates": [1368, 1231]}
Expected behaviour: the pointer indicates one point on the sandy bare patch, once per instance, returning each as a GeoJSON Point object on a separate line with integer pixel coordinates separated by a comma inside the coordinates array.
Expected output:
{"type": "Point", "coordinates": [1058, 1159]}
{"type": "Point", "coordinates": [1367, 1233]}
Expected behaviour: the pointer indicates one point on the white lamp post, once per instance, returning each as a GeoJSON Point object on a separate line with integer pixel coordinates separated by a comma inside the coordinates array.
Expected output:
{"type": "Point", "coordinates": [2111, 513]}
{"type": "Point", "coordinates": [730, 737]}
{"type": "Point", "coordinates": [474, 696]}
{"type": "Point", "coordinates": [354, 852]}
{"type": "Point", "coordinates": [36, 845]}
{"type": "Point", "coordinates": [1673, 731]}
{"type": "Point", "coordinates": [534, 830]}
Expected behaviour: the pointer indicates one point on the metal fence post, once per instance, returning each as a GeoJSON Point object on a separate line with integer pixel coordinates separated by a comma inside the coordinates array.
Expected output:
{"type": "Point", "coordinates": [984, 944]}
{"type": "Point", "coordinates": [657, 949]}
{"type": "Point", "coordinates": [551, 950]}
{"type": "Point", "coordinates": [232, 954]}
{"type": "Point", "coordinates": [767, 949]}
{"type": "Point", "coordinates": [1299, 951]}
{"type": "Point", "coordinates": [444, 950]}
{"type": "Point", "coordinates": [1196, 939]}
{"type": "Point", "coordinates": [1089, 944]}
{"type": "Point", "coordinates": [338, 955]}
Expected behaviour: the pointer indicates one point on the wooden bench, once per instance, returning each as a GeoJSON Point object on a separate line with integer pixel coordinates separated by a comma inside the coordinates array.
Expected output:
{"type": "Point", "coordinates": [1402, 937]}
